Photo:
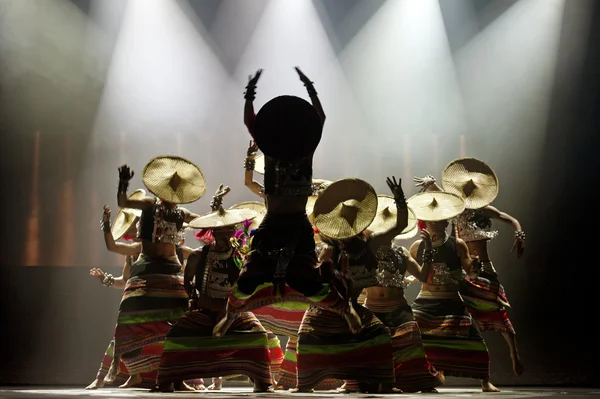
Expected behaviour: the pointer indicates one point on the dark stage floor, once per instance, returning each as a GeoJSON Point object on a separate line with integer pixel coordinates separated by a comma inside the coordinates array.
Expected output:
{"type": "Point", "coordinates": [246, 392]}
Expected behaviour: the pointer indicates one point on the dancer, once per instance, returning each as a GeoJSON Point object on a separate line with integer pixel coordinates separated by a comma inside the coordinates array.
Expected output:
{"type": "Point", "coordinates": [282, 264]}
{"type": "Point", "coordinates": [482, 291]}
{"type": "Point", "coordinates": [453, 343]}
{"type": "Point", "coordinates": [326, 346]}
{"type": "Point", "coordinates": [387, 301]}
{"type": "Point", "coordinates": [190, 349]}
{"type": "Point", "coordinates": [154, 294]}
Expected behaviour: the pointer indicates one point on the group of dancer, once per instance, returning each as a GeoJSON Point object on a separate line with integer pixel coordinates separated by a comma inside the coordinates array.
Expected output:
{"type": "Point", "coordinates": [315, 261]}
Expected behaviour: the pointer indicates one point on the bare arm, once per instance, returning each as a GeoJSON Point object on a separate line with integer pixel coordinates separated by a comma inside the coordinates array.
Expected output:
{"type": "Point", "coordinates": [466, 261]}
{"type": "Point", "coordinates": [125, 175]}
{"type": "Point", "coordinates": [413, 267]}
{"type": "Point", "coordinates": [519, 241]}
{"type": "Point", "coordinates": [249, 164]}
{"type": "Point", "coordinates": [118, 247]}
{"type": "Point", "coordinates": [115, 282]}
{"type": "Point", "coordinates": [428, 255]}
{"type": "Point", "coordinates": [249, 95]}
{"type": "Point", "coordinates": [312, 93]}
{"type": "Point", "coordinates": [385, 237]}
{"type": "Point", "coordinates": [188, 215]}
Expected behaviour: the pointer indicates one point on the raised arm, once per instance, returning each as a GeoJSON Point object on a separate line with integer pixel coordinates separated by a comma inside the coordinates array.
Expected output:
{"type": "Point", "coordinates": [385, 237]}
{"type": "Point", "coordinates": [519, 242]}
{"type": "Point", "coordinates": [426, 183]}
{"type": "Point", "coordinates": [118, 247]}
{"type": "Point", "coordinates": [428, 255]}
{"type": "Point", "coordinates": [249, 164]}
{"type": "Point", "coordinates": [312, 93]}
{"type": "Point", "coordinates": [125, 175]}
{"type": "Point", "coordinates": [249, 95]}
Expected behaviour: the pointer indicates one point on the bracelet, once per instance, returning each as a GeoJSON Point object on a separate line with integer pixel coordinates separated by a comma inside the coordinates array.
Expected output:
{"type": "Point", "coordinates": [108, 280]}
{"type": "Point", "coordinates": [249, 164]}
{"type": "Point", "coordinates": [123, 185]}
{"type": "Point", "coordinates": [250, 93]}
{"type": "Point", "coordinates": [429, 255]}
{"type": "Point", "coordinates": [520, 235]}
{"type": "Point", "coordinates": [106, 226]}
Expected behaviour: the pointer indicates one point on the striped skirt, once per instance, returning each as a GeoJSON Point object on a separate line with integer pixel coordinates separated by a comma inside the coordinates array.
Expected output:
{"type": "Point", "coordinates": [412, 369]}
{"type": "Point", "coordinates": [486, 300]}
{"type": "Point", "coordinates": [328, 349]}
{"type": "Point", "coordinates": [148, 379]}
{"type": "Point", "coordinates": [284, 319]}
{"type": "Point", "coordinates": [191, 351]}
{"type": "Point", "coordinates": [452, 341]}
{"type": "Point", "coordinates": [149, 303]}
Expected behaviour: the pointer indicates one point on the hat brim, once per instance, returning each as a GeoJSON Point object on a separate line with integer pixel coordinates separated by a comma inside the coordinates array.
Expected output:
{"type": "Point", "coordinates": [434, 206]}
{"type": "Point", "coordinates": [174, 179]}
{"type": "Point", "coordinates": [472, 180]}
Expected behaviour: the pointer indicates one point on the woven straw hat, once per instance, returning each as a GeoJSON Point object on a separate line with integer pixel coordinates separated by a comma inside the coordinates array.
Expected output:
{"type": "Point", "coordinates": [259, 164]}
{"type": "Point", "coordinates": [174, 179]}
{"type": "Point", "coordinates": [220, 217]}
{"type": "Point", "coordinates": [319, 186]}
{"type": "Point", "coordinates": [126, 217]}
{"type": "Point", "coordinates": [433, 206]}
{"type": "Point", "coordinates": [387, 212]}
{"type": "Point", "coordinates": [258, 207]}
{"type": "Point", "coordinates": [472, 180]}
{"type": "Point", "coordinates": [345, 208]}
{"type": "Point", "coordinates": [287, 127]}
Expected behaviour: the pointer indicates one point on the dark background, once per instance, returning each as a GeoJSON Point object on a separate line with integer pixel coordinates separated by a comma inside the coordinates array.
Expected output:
{"type": "Point", "coordinates": [57, 321]}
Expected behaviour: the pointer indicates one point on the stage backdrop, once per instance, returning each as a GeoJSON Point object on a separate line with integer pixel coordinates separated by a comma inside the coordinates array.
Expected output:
{"type": "Point", "coordinates": [88, 86]}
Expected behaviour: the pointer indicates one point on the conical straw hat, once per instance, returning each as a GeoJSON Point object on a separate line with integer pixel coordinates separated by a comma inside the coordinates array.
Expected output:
{"type": "Point", "coordinates": [174, 179]}
{"type": "Point", "coordinates": [126, 217]}
{"type": "Point", "coordinates": [472, 180]}
{"type": "Point", "coordinates": [258, 207]}
{"type": "Point", "coordinates": [433, 206]}
{"type": "Point", "coordinates": [345, 208]}
{"type": "Point", "coordinates": [386, 216]}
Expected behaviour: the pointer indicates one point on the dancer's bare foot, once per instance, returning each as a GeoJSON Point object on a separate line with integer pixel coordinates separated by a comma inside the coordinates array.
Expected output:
{"type": "Point", "coordinates": [186, 387]}
{"type": "Point", "coordinates": [353, 320]}
{"type": "Point", "coordinates": [388, 388]}
{"type": "Point", "coordinates": [517, 365]}
{"type": "Point", "coordinates": [217, 384]}
{"type": "Point", "coordinates": [487, 386]}
{"type": "Point", "coordinates": [223, 325]}
{"type": "Point", "coordinates": [132, 381]}
{"type": "Point", "coordinates": [199, 387]}
{"type": "Point", "coordinates": [302, 390]}
{"type": "Point", "coordinates": [111, 375]}
{"type": "Point", "coordinates": [262, 386]}
{"type": "Point", "coordinates": [432, 390]}
{"type": "Point", "coordinates": [98, 383]}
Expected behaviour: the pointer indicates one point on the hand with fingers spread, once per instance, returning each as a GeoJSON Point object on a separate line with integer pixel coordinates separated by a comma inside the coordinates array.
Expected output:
{"type": "Point", "coordinates": [125, 173]}
{"type": "Point", "coordinates": [250, 93]}
{"type": "Point", "coordinates": [424, 182]}
{"type": "Point", "coordinates": [397, 192]}
{"type": "Point", "coordinates": [253, 80]}
{"type": "Point", "coordinates": [98, 274]}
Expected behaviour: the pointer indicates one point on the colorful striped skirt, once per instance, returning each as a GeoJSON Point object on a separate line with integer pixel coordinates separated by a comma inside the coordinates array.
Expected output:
{"type": "Point", "coordinates": [285, 319]}
{"type": "Point", "coordinates": [149, 303]}
{"type": "Point", "coordinates": [191, 351]}
{"type": "Point", "coordinates": [486, 300]}
{"type": "Point", "coordinates": [328, 349]}
{"type": "Point", "coordinates": [412, 369]}
{"type": "Point", "coordinates": [452, 340]}
{"type": "Point", "coordinates": [148, 379]}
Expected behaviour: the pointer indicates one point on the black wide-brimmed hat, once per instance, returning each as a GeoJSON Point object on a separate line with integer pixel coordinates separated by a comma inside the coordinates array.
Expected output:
{"type": "Point", "coordinates": [287, 127]}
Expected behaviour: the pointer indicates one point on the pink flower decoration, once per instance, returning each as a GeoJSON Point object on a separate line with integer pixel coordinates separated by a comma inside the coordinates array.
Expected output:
{"type": "Point", "coordinates": [247, 223]}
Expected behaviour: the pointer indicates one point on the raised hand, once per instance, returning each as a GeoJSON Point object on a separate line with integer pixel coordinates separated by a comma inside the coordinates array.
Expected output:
{"type": "Point", "coordinates": [222, 190]}
{"type": "Point", "coordinates": [97, 274]}
{"type": "Point", "coordinates": [125, 173]}
{"type": "Point", "coordinates": [424, 182]}
{"type": "Point", "coordinates": [252, 149]}
{"type": "Point", "coordinates": [302, 76]}
{"type": "Point", "coordinates": [253, 80]}
{"type": "Point", "coordinates": [518, 247]}
{"type": "Point", "coordinates": [395, 187]}
{"type": "Point", "coordinates": [426, 237]}
{"type": "Point", "coordinates": [106, 214]}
